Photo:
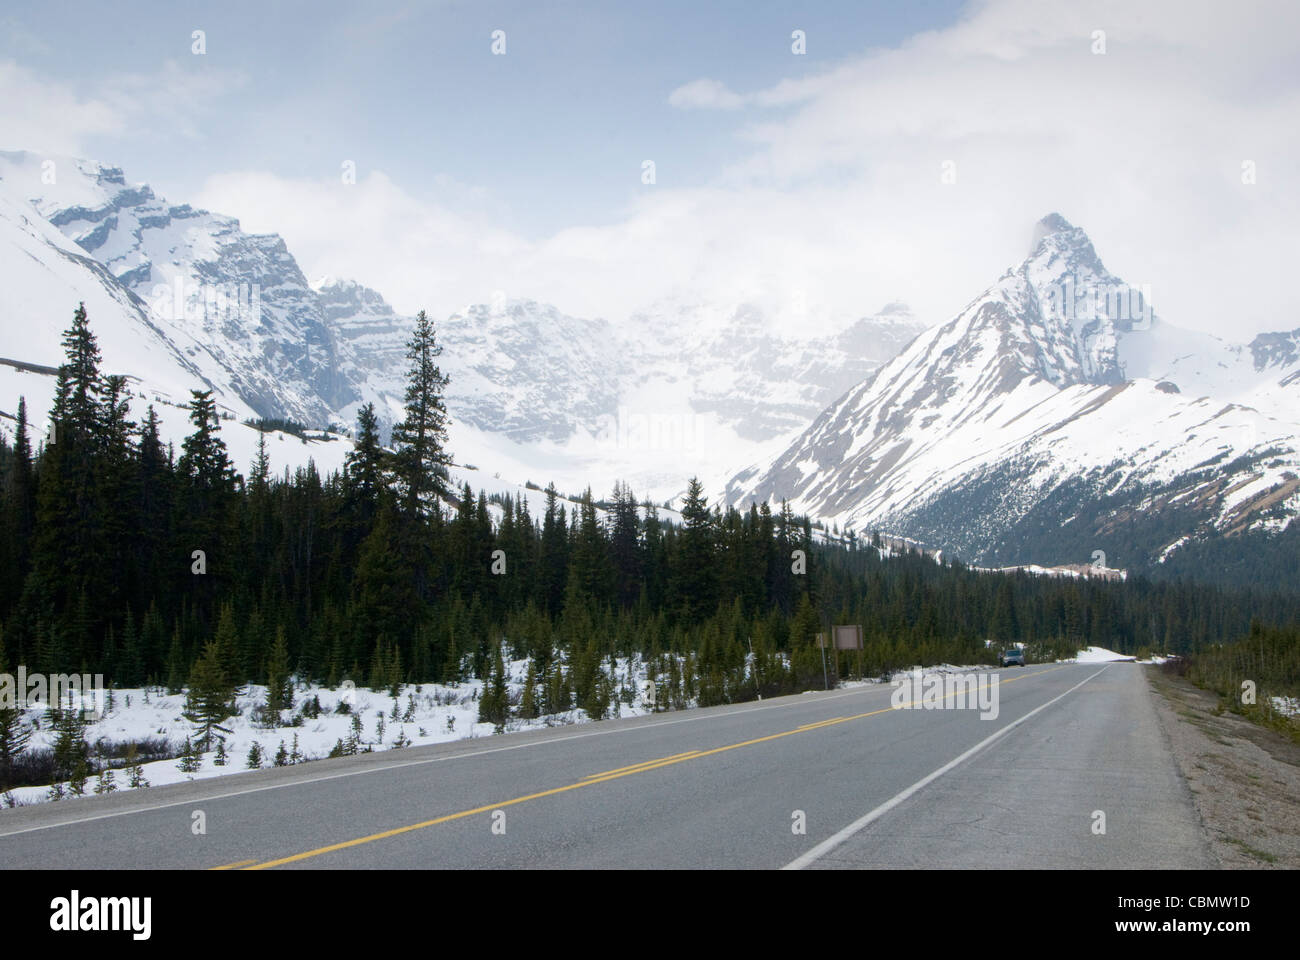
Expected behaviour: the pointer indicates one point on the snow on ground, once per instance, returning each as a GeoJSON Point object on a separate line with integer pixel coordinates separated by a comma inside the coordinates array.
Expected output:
{"type": "Point", "coordinates": [1287, 706]}
{"type": "Point", "coordinates": [437, 713]}
{"type": "Point", "coordinates": [1098, 655]}
{"type": "Point", "coordinates": [425, 714]}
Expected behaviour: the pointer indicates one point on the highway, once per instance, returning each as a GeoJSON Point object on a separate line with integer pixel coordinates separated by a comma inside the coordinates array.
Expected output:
{"type": "Point", "coordinates": [727, 787]}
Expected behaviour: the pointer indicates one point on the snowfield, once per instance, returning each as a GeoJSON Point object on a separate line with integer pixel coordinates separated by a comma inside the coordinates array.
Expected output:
{"type": "Point", "coordinates": [1100, 655]}
{"type": "Point", "coordinates": [425, 713]}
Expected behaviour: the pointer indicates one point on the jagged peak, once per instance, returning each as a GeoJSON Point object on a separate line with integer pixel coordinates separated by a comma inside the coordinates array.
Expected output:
{"type": "Point", "coordinates": [1048, 226]}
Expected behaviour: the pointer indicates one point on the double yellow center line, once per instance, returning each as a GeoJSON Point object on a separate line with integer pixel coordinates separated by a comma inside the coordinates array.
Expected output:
{"type": "Point", "coordinates": [587, 781]}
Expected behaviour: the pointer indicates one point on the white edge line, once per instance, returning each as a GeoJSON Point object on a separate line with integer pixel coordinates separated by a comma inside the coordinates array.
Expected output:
{"type": "Point", "coordinates": [829, 844]}
{"type": "Point", "coordinates": [800, 702]}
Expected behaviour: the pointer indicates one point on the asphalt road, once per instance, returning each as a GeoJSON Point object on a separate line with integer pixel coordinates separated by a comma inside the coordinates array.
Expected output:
{"type": "Point", "coordinates": [726, 787]}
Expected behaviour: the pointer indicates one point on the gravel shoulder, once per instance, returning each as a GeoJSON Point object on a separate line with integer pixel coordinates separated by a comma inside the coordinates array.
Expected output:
{"type": "Point", "coordinates": [1245, 779]}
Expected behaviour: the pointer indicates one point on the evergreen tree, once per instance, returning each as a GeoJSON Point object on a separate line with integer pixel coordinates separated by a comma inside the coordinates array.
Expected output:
{"type": "Point", "coordinates": [211, 697]}
{"type": "Point", "coordinates": [190, 760]}
{"type": "Point", "coordinates": [421, 460]}
{"type": "Point", "coordinates": [135, 772]}
{"type": "Point", "coordinates": [14, 737]}
{"type": "Point", "coordinates": [18, 516]}
{"type": "Point", "coordinates": [204, 462]}
{"type": "Point", "coordinates": [279, 685]}
{"type": "Point", "coordinates": [71, 752]}
{"type": "Point", "coordinates": [528, 702]}
{"type": "Point", "coordinates": [494, 705]}
{"type": "Point", "coordinates": [365, 466]}
{"type": "Point", "coordinates": [694, 573]}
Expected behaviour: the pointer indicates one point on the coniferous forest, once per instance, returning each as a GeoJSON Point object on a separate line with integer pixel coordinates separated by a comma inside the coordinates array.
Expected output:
{"type": "Point", "coordinates": [123, 556]}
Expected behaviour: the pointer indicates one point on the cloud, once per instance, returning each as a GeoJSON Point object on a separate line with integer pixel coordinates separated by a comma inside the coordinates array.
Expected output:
{"type": "Point", "coordinates": [705, 94]}
{"type": "Point", "coordinates": [172, 99]}
{"type": "Point", "coordinates": [839, 204]}
{"type": "Point", "coordinates": [48, 115]}
{"type": "Point", "coordinates": [1142, 145]}
{"type": "Point", "coordinates": [43, 115]}
{"type": "Point", "coordinates": [418, 253]}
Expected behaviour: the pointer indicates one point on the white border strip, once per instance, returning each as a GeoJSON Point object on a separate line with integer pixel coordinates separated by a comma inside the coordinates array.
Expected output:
{"type": "Point", "coordinates": [826, 846]}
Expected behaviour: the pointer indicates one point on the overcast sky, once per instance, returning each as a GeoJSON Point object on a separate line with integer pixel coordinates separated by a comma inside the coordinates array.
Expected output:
{"type": "Point", "coordinates": [780, 178]}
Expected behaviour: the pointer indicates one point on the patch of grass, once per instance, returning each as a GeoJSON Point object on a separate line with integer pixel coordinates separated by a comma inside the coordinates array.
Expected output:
{"type": "Point", "coordinates": [1255, 852]}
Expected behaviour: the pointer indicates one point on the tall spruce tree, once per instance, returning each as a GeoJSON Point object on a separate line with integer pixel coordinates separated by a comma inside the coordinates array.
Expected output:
{"type": "Point", "coordinates": [421, 459]}
{"type": "Point", "coordinates": [67, 557]}
{"type": "Point", "coordinates": [695, 572]}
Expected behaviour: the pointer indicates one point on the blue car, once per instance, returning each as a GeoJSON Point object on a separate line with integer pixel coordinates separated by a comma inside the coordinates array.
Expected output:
{"type": "Point", "coordinates": [1012, 656]}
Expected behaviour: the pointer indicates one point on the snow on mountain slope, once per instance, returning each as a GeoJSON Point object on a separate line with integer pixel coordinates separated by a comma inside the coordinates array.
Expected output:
{"type": "Point", "coordinates": [1033, 407]}
{"type": "Point", "coordinates": [762, 383]}
{"type": "Point", "coordinates": [45, 276]}
{"type": "Point", "coordinates": [236, 303]}
{"type": "Point", "coordinates": [581, 401]}
{"type": "Point", "coordinates": [529, 371]}
{"type": "Point", "coordinates": [678, 390]}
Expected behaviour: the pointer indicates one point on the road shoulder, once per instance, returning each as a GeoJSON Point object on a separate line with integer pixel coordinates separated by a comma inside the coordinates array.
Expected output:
{"type": "Point", "coordinates": [1244, 778]}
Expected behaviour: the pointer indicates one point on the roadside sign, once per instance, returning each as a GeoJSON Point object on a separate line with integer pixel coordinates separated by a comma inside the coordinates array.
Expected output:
{"type": "Point", "coordinates": [848, 637]}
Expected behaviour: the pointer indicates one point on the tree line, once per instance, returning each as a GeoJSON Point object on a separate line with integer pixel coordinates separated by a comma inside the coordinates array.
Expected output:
{"type": "Point", "coordinates": [123, 556]}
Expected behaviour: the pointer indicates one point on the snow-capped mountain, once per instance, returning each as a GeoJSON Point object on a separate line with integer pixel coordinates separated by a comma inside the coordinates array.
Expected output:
{"type": "Point", "coordinates": [44, 276]}
{"type": "Point", "coordinates": [1055, 415]}
{"type": "Point", "coordinates": [574, 399]}
{"type": "Point", "coordinates": [240, 297]}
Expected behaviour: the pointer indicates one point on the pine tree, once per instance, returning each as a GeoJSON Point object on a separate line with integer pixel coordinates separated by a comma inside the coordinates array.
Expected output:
{"type": "Point", "coordinates": [528, 702]}
{"type": "Point", "coordinates": [211, 696]}
{"type": "Point", "coordinates": [383, 589]}
{"type": "Point", "coordinates": [694, 579]}
{"type": "Point", "coordinates": [190, 760]}
{"type": "Point", "coordinates": [175, 664]}
{"type": "Point", "coordinates": [226, 641]}
{"type": "Point", "coordinates": [254, 761]}
{"type": "Point", "coordinates": [14, 734]}
{"type": "Point", "coordinates": [68, 553]}
{"type": "Point", "coordinates": [135, 772]}
{"type": "Point", "coordinates": [354, 738]}
{"type": "Point", "coordinates": [204, 461]}
{"type": "Point", "coordinates": [17, 514]}
{"type": "Point", "coordinates": [364, 465]}
{"type": "Point", "coordinates": [279, 685]}
{"type": "Point", "coordinates": [14, 737]}
{"type": "Point", "coordinates": [206, 492]}
{"type": "Point", "coordinates": [260, 475]}
{"type": "Point", "coordinates": [421, 459]}
{"type": "Point", "coordinates": [71, 752]}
